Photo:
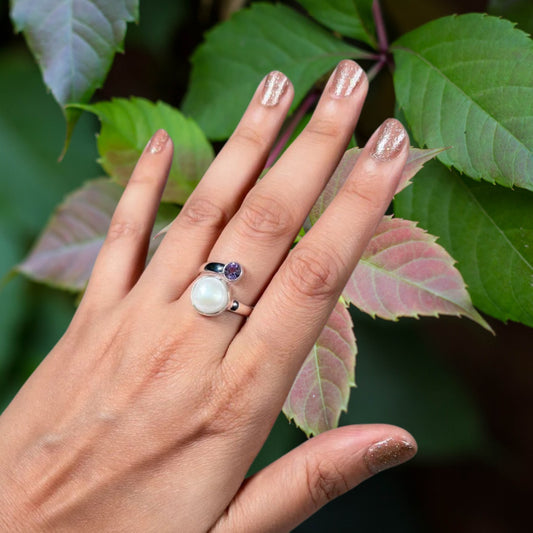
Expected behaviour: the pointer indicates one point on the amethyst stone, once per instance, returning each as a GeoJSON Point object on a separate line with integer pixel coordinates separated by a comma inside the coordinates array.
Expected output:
{"type": "Point", "coordinates": [232, 271]}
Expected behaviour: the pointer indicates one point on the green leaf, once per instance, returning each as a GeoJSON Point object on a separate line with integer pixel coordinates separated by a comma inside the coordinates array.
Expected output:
{"type": "Point", "coordinates": [238, 53]}
{"type": "Point", "coordinates": [33, 182]}
{"type": "Point", "coordinates": [65, 253]}
{"type": "Point", "coordinates": [520, 11]}
{"type": "Point", "coordinates": [351, 18]}
{"type": "Point", "coordinates": [486, 228]}
{"type": "Point", "coordinates": [127, 125]}
{"type": "Point", "coordinates": [322, 387]}
{"type": "Point", "coordinates": [74, 42]}
{"type": "Point", "coordinates": [467, 82]}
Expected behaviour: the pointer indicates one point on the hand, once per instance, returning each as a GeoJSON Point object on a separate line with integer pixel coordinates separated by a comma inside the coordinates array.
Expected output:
{"type": "Point", "coordinates": [147, 415]}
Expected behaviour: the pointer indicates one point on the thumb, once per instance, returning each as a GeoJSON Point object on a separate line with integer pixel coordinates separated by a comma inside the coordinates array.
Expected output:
{"type": "Point", "coordinates": [291, 489]}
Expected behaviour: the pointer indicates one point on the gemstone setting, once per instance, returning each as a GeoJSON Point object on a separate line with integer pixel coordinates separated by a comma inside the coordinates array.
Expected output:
{"type": "Point", "coordinates": [232, 271]}
{"type": "Point", "coordinates": [210, 295]}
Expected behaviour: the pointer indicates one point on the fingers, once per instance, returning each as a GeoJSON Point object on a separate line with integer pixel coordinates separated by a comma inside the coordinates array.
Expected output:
{"type": "Point", "coordinates": [261, 232]}
{"type": "Point", "coordinates": [275, 209]}
{"type": "Point", "coordinates": [221, 190]}
{"type": "Point", "coordinates": [295, 306]}
{"type": "Point", "coordinates": [294, 487]}
{"type": "Point", "coordinates": [122, 257]}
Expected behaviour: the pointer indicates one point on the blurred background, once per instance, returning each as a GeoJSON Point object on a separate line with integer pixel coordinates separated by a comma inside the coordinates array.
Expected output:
{"type": "Point", "coordinates": [465, 395]}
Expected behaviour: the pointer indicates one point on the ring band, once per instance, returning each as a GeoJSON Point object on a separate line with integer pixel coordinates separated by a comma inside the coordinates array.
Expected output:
{"type": "Point", "coordinates": [211, 293]}
{"type": "Point", "coordinates": [232, 271]}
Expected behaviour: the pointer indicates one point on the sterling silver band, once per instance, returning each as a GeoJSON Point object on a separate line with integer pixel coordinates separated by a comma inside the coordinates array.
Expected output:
{"type": "Point", "coordinates": [217, 268]}
{"type": "Point", "coordinates": [232, 271]}
{"type": "Point", "coordinates": [240, 308]}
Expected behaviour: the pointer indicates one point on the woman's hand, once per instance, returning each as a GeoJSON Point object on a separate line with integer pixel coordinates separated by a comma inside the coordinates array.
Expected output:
{"type": "Point", "coordinates": [147, 415]}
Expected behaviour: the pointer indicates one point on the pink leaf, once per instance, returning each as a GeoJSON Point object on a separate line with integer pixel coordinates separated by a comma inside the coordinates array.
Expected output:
{"type": "Point", "coordinates": [65, 252]}
{"type": "Point", "coordinates": [404, 272]}
{"type": "Point", "coordinates": [322, 387]}
{"type": "Point", "coordinates": [415, 161]}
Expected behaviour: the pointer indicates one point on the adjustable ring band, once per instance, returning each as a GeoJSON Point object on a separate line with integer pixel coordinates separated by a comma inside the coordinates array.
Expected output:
{"type": "Point", "coordinates": [240, 308]}
{"type": "Point", "coordinates": [217, 268]}
{"type": "Point", "coordinates": [232, 271]}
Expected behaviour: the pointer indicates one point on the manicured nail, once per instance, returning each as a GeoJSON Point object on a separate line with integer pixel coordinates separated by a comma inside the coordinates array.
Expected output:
{"type": "Point", "coordinates": [388, 453]}
{"type": "Point", "coordinates": [158, 141]}
{"type": "Point", "coordinates": [390, 140]}
{"type": "Point", "coordinates": [274, 88]}
{"type": "Point", "coordinates": [346, 77]}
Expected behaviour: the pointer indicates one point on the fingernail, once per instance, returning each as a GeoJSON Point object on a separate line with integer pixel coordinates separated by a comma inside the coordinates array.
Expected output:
{"type": "Point", "coordinates": [274, 88]}
{"type": "Point", "coordinates": [390, 140]}
{"type": "Point", "coordinates": [158, 141]}
{"type": "Point", "coordinates": [388, 453]}
{"type": "Point", "coordinates": [346, 77]}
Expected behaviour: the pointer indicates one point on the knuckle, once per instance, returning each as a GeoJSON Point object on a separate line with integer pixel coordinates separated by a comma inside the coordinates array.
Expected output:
{"type": "Point", "coordinates": [364, 189]}
{"type": "Point", "coordinates": [312, 273]}
{"type": "Point", "coordinates": [324, 128]}
{"type": "Point", "coordinates": [264, 216]}
{"type": "Point", "coordinates": [249, 136]}
{"type": "Point", "coordinates": [142, 179]}
{"type": "Point", "coordinates": [203, 212]}
{"type": "Point", "coordinates": [325, 481]}
{"type": "Point", "coordinates": [123, 229]}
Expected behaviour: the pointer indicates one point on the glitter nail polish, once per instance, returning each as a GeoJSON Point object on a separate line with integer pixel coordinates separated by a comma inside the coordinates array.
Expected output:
{"type": "Point", "coordinates": [388, 453]}
{"type": "Point", "coordinates": [274, 88]}
{"type": "Point", "coordinates": [346, 77]}
{"type": "Point", "coordinates": [390, 140]}
{"type": "Point", "coordinates": [158, 141]}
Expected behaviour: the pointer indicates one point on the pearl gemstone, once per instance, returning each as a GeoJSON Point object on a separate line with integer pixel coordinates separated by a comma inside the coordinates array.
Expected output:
{"type": "Point", "coordinates": [210, 295]}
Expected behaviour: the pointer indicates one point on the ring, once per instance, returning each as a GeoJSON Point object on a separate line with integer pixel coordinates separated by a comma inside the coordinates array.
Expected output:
{"type": "Point", "coordinates": [211, 292]}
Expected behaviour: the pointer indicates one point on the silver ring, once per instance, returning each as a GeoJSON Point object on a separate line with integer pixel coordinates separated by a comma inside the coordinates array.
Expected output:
{"type": "Point", "coordinates": [211, 293]}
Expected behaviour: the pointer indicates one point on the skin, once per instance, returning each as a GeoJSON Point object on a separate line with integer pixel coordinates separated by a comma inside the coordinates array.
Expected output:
{"type": "Point", "coordinates": [146, 415]}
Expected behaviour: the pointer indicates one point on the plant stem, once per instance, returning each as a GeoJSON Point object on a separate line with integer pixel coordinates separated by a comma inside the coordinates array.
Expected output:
{"type": "Point", "coordinates": [309, 100]}
{"type": "Point", "coordinates": [375, 69]}
{"type": "Point", "coordinates": [383, 42]}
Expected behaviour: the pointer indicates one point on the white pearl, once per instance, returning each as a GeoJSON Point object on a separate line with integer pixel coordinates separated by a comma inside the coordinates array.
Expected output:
{"type": "Point", "coordinates": [210, 295]}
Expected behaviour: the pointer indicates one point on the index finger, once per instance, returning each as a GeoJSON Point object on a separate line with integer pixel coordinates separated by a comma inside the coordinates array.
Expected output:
{"type": "Point", "coordinates": [298, 301]}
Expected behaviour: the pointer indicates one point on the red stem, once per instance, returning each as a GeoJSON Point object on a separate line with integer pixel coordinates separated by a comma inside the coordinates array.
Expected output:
{"type": "Point", "coordinates": [383, 42]}
{"type": "Point", "coordinates": [309, 100]}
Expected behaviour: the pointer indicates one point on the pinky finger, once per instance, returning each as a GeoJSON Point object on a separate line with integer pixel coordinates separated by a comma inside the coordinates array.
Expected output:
{"type": "Point", "coordinates": [122, 257]}
{"type": "Point", "coordinates": [294, 487]}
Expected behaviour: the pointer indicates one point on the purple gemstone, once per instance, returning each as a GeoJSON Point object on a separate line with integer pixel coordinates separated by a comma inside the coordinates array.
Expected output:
{"type": "Point", "coordinates": [232, 271]}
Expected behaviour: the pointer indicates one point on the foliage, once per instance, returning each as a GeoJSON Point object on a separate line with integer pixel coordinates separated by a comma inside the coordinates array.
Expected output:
{"type": "Point", "coordinates": [464, 88]}
{"type": "Point", "coordinates": [74, 43]}
{"type": "Point", "coordinates": [492, 240]}
{"type": "Point", "coordinates": [237, 54]}
{"type": "Point", "coordinates": [460, 67]}
{"type": "Point", "coordinates": [321, 389]}
{"type": "Point", "coordinates": [126, 124]}
{"type": "Point", "coordinates": [65, 254]}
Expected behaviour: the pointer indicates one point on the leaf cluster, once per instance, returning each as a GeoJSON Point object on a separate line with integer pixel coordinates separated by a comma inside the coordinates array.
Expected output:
{"type": "Point", "coordinates": [464, 89]}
